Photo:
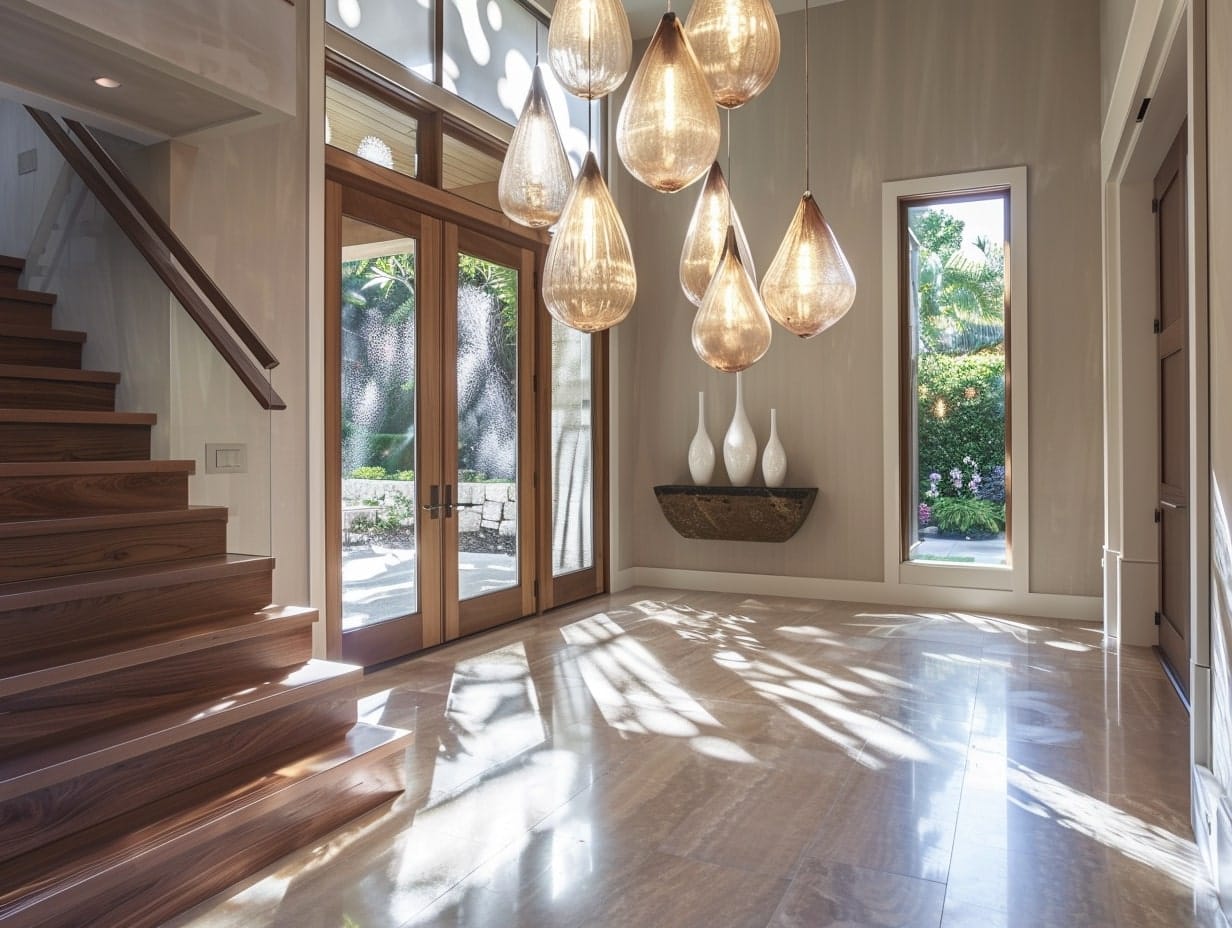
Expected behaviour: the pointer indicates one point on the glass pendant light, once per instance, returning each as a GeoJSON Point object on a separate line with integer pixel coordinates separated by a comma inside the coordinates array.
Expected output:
{"type": "Point", "coordinates": [731, 331]}
{"type": "Point", "coordinates": [703, 245]}
{"type": "Point", "coordinates": [589, 282]}
{"type": "Point", "coordinates": [809, 285]}
{"type": "Point", "coordinates": [737, 44]}
{"type": "Point", "coordinates": [668, 132]}
{"type": "Point", "coordinates": [535, 176]}
{"type": "Point", "coordinates": [589, 46]}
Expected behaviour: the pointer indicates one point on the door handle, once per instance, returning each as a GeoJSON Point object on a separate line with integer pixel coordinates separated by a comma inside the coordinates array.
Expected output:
{"type": "Point", "coordinates": [448, 500]}
{"type": "Point", "coordinates": [433, 505]}
{"type": "Point", "coordinates": [1175, 507]}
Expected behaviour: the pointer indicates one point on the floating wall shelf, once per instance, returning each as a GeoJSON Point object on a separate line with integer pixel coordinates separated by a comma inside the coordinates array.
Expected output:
{"type": "Point", "coordinates": [736, 513]}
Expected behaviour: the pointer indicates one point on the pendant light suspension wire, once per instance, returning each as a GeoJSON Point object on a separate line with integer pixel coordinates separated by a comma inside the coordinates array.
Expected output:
{"type": "Point", "coordinates": [730, 187]}
{"type": "Point", "coordinates": [808, 183]}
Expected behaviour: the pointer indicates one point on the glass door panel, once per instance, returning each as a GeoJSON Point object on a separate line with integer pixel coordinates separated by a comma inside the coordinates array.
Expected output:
{"type": "Point", "coordinates": [487, 422]}
{"type": "Point", "coordinates": [378, 338]}
{"type": "Point", "coordinates": [572, 452]}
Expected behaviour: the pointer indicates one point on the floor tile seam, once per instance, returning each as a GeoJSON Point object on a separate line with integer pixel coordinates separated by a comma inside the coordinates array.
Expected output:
{"type": "Point", "coordinates": [962, 789]}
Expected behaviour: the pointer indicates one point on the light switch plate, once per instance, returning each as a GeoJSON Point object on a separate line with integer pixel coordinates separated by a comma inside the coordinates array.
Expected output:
{"type": "Point", "coordinates": [226, 459]}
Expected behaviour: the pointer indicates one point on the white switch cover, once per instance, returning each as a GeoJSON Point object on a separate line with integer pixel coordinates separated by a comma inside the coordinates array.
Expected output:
{"type": "Point", "coordinates": [226, 459]}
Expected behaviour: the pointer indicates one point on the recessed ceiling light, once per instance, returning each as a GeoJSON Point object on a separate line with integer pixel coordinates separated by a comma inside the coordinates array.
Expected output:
{"type": "Point", "coordinates": [109, 82]}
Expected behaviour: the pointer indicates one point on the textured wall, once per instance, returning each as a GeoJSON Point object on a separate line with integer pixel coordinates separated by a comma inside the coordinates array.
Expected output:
{"type": "Point", "coordinates": [900, 89]}
{"type": "Point", "coordinates": [1114, 17]}
{"type": "Point", "coordinates": [1219, 114]}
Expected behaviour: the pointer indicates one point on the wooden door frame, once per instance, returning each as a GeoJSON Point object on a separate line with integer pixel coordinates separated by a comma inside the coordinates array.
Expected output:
{"type": "Point", "coordinates": [343, 169]}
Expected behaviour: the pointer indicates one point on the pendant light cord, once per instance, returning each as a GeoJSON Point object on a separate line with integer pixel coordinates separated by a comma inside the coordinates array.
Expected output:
{"type": "Point", "coordinates": [808, 184]}
{"type": "Point", "coordinates": [730, 185]}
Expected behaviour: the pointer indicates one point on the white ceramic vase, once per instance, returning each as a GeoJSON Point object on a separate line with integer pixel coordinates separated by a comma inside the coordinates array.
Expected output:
{"type": "Point", "coordinates": [740, 444]}
{"type": "Point", "coordinates": [701, 449]}
{"type": "Point", "coordinates": [774, 458]}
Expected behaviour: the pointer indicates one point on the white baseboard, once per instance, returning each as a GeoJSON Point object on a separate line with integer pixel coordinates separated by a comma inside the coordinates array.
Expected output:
{"type": "Point", "coordinates": [1042, 605]}
{"type": "Point", "coordinates": [621, 580]}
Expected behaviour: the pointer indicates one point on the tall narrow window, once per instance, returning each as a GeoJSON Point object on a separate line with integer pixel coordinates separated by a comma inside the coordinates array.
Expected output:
{"type": "Point", "coordinates": [954, 407]}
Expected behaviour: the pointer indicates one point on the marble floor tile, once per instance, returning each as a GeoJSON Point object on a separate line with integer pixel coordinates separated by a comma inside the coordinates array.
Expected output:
{"type": "Point", "coordinates": [665, 759]}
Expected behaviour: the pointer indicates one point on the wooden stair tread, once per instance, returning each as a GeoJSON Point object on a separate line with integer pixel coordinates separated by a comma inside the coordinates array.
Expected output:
{"type": "Point", "coordinates": [66, 760]}
{"type": "Point", "coordinates": [106, 657]}
{"type": "Point", "coordinates": [56, 875]}
{"type": "Point", "coordinates": [77, 417]}
{"type": "Point", "coordinates": [34, 331]}
{"type": "Point", "coordinates": [31, 527]}
{"type": "Point", "coordinates": [37, 372]}
{"type": "Point", "coordinates": [84, 468]}
{"type": "Point", "coordinates": [12, 263]}
{"type": "Point", "coordinates": [26, 594]}
{"type": "Point", "coordinates": [27, 296]}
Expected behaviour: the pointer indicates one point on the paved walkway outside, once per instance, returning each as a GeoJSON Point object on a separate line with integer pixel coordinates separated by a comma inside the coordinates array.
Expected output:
{"type": "Point", "coordinates": [986, 552]}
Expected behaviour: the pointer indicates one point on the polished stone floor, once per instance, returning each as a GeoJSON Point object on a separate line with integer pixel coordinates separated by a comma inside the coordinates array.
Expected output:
{"type": "Point", "coordinates": [659, 758]}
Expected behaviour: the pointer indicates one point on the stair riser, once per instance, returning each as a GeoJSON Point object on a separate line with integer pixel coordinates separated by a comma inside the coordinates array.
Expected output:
{"type": "Point", "coordinates": [32, 720]}
{"type": "Point", "coordinates": [10, 277]}
{"type": "Point", "coordinates": [59, 441]}
{"type": "Point", "coordinates": [36, 556]}
{"type": "Point", "coordinates": [23, 393]}
{"type": "Point", "coordinates": [223, 759]}
{"type": "Point", "coordinates": [39, 352]}
{"type": "Point", "coordinates": [194, 868]}
{"type": "Point", "coordinates": [20, 312]}
{"type": "Point", "coordinates": [90, 495]}
{"type": "Point", "coordinates": [62, 627]}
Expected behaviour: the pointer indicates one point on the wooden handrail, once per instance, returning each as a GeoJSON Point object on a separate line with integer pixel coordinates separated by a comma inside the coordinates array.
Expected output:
{"type": "Point", "coordinates": [178, 249]}
{"type": "Point", "coordinates": [157, 254]}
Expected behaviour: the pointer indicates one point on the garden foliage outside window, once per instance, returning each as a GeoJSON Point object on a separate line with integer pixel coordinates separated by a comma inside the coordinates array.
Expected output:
{"type": "Point", "coordinates": [957, 478]}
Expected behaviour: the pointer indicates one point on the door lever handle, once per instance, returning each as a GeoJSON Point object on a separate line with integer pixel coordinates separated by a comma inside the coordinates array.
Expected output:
{"type": "Point", "coordinates": [1175, 507]}
{"type": "Point", "coordinates": [433, 506]}
{"type": "Point", "coordinates": [448, 500]}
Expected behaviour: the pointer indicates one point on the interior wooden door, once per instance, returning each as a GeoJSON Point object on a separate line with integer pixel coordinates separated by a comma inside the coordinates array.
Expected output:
{"type": "Point", "coordinates": [489, 432]}
{"type": "Point", "coordinates": [1173, 357]}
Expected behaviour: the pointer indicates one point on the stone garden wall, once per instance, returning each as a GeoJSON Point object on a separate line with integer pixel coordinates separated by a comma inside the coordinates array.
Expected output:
{"type": "Point", "coordinates": [480, 505]}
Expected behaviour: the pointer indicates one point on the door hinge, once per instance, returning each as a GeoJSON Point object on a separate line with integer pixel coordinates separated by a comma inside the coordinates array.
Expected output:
{"type": "Point", "coordinates": [1154, 206]}
{"type": "Point", "coordinates": [1158, 618]}
{"type": "Point", "coordinates": [1157, 326]}
{"type": "Point", "coordinates": [1158, 516]}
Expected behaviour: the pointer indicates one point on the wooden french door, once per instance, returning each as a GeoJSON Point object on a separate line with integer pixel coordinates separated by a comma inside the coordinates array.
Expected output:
{"type": "Point", "coordinates": [434, 427]}
{"type": "Point", "coordinates": [1172, 329]}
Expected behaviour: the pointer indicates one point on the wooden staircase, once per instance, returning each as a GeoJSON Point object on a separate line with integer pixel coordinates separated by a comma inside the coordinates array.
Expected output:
{"type": "Point", "coordinates": [163, 730]}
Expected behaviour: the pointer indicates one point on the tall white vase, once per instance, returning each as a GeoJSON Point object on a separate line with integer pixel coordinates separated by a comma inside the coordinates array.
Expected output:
{"type": "Point", "coordinates": [774, 458]}
{"type": "Point", "coordinates": [740, 444]}
{"type": "Point", "coordinates": [701, 449]}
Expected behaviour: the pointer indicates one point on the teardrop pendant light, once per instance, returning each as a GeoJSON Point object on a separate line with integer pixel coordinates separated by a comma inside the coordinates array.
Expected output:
{"type": "Point", "coordinates": [731, 331]}
{"type": "Point", "coordinates": [589, 46]}
{"type": "Point", "coordinates": [703, 245]}
{"type": "Point", "coordinates": [589, 281]}
{"type": "Point", "coordinates": [535, 175]}
{"type": "Point", "coordinates": [737, 45]}
{"type": "Point", "coordinates": [668, 132]}
{"type": "Point", "coordinates": [809, 285]}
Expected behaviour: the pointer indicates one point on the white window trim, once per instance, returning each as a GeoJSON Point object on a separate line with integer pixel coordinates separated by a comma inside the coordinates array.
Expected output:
{"type": "Point", "coordinates": [1017, 577]}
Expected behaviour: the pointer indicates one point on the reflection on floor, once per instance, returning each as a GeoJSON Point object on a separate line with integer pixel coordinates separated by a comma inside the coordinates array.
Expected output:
{"type": "Point", "coordinates": [686, 759]}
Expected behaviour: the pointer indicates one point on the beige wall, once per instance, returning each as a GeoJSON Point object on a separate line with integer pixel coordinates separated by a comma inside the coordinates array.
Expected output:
{"type": "Point", "coordinates": [900, 89]}
{"type": "Point", "coordinates": [1114, 17]}
{"type": "Point", "coordinates": [1219, 116]}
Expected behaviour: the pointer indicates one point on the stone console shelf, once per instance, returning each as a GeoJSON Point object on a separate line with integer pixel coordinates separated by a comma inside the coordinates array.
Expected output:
{"type": "Point", "coordinates": [736, 513]}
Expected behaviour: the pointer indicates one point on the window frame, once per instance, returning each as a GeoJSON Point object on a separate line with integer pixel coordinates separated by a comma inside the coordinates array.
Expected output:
{"type": "Point", "coordinates": [897, 197]}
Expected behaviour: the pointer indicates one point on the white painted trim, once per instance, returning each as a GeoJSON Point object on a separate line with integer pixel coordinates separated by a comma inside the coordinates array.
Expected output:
{"type": "Point", "coordinates": [1017, 578]}
{"type": "Point", "coordinates": [1002, 602]}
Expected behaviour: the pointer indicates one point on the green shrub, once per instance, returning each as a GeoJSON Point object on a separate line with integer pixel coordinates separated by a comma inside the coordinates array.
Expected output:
{"type": "Point", "coordinates": [961, 412]}
{"type": "Point", "coordinates": [968, 516]}
{"type": "Point", "coordinates": [369, 473]}
{"type": "Point", "coordinates": [403, 475]}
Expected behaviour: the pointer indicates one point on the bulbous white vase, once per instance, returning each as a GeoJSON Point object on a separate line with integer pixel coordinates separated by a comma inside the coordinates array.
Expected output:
{"type": "Point", "coordinates": [774, 458]}
{"type": "Point", "coordinates": [740, 444]}
{"type": "Point", "coordinates": [701, 450]}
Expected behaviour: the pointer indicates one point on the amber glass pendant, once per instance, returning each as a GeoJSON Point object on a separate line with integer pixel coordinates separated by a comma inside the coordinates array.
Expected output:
{"type": "Point", "coordinates": [737, 45]}
{"type": "Point", "coordinates": [668, 131]}
{"type": "Point", "coordinates": [589, 46]}
{"type": "Point", "coordinates": [589, 281]}
{"type": "Point", "coordinates": [535, 176]}
{"type": "Point", "coordinates": [703, 244]}
{"type": "Point", "coordinates": [731, 331]}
